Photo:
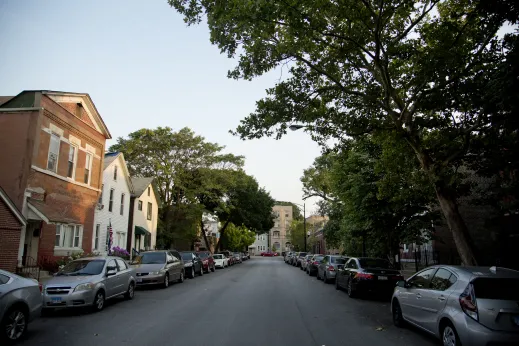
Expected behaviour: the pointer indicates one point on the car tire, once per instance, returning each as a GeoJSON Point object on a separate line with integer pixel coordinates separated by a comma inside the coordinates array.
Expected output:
{"type": "Point", "coordinates": [201, 273]}
{"type": "Point", "coordinates": [192, 276]}
{"type": "Point", "coordinates": [449, 336]}
{"type": "Point", "coordinates": [351, 292]}
{"type": "Point", "coordinates": [17, 318]}
{"type": "Point", "coordinates": [130, 292]}
{"type": "Point", "coordinates": [213, 269]}
{"type": "Point", "coordinates": [99, 301]}
{"type": "Point", "coordinates": [398, 319]}
{"type": "Point", "coordinates": [181, 277]}
{"type": "Point", "coordinates": [165, 284]}
{"type": "Point", "coordinates": [337, 287]}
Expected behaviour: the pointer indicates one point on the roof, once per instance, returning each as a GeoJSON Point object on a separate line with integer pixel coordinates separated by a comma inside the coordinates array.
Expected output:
{"type": "Point", "coordinates": [50, 214]}
{"type": "Point", "coordinates": [4, 99]}
{"type": "Point", "coordinates": [17, 214]}
{"type": "Point", "coordinates": [109, 158]}
{"type": "Point", "coordinates": [140, 184]}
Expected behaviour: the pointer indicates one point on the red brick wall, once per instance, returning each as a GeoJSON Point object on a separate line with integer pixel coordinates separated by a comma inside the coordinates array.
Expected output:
{"type": "Point", "coordinates": [10, 229]}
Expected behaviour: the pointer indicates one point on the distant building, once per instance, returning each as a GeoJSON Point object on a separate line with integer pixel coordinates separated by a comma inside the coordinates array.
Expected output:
{"type": "Point", "coordinates": [144, 207]}
{"type": "Point", "coordinates": [280, 234]}
{"type": "Point", "coordinates": [260, 244]}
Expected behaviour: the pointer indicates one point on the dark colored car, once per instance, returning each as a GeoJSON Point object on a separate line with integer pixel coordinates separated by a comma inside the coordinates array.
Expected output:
{"type": "Point", "coordinates": [364, 274]}
{"type": "Point", "coordinates": [192, 264]}
{"type": "Point", "coordinates": [237, 257]}
{"type": "Point", "coordinates": [207, 261]}
{"type": "Point", "coordinates": [311, 268]}
{"type": "Point", "coordinates": [158, 268]}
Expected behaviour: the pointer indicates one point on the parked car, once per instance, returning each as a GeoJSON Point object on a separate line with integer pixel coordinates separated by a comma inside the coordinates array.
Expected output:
{"type": "Point", "coordinates": [461, 305]}
{"type": "Point", "coordinates": [220, 261]}
{"type": "Point", "coordinates": [229, 256]}
{"type": "Point", "coordinates": [267, 254]}
{"type": "Point", "coordinates": [288, 257]}
{"type": "Point", "coordinates": [192, 264]}
{"type": "Point", "coordinates": [327, 268]}
{"type": "Point", "coordinates": [237, 257]}
{"type": "Point", "coordinates": [299, 258]}
{"type": "Point", "coordinates": [20, 303]}
{"type": "Point", "coordinates": [311, 268]}
{"type": "Point", "coordinates": [305, 261]}
{"type": "Point", "coordinates": [243, 256]}
{"type": "Point", "coordinates": [364, 274]}
{"type": "Point", "coordinates": [158, 268]}
{"type": "Point", "coordinates": [89, 282]}
{"type": "Point", "coordinates": [207, 261]}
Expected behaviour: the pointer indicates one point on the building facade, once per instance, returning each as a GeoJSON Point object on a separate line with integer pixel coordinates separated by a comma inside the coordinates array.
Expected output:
{"type": "Point", "coordinates": [260, 244]}
{"type": "Point", "coordinates": [52, 151]}
{"type": "Point", "coordinates": [144, 206]}
{"type": "Point", "coordinates": [113, 207]}
{"type": "Point", "coordinates": [279, 236]}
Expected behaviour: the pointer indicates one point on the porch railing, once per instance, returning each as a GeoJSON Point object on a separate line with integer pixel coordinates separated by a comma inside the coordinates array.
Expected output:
{"type": "Point", "coordinates": [30, 269]}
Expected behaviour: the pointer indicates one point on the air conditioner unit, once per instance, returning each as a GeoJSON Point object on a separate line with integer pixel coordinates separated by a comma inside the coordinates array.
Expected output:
{"type": "Point", "coordinates": [100, 206]}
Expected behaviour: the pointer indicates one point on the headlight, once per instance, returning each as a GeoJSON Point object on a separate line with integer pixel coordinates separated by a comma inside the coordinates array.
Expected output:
{"type": "Point", "coordinates": [85, 287]}
{"type": "Point", "coordinates": [189, 264]}
{"type": "Point", "coordinates": [157, 272]}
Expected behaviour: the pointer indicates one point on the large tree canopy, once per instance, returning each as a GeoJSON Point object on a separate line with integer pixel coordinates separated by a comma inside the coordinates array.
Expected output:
{"type": "Point", "coordinates": [415, 68]}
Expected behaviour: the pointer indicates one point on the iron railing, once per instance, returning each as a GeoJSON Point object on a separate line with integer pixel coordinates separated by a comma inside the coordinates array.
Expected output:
{"type": "Point", "coordinates": [30, 269]}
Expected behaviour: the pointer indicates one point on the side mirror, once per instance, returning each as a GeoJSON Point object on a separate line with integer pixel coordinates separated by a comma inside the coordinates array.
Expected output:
{"type": "Point", "coordinates": [110, 271]}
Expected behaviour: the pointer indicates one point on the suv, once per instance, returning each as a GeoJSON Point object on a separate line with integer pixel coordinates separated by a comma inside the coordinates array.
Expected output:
{"type": "Point", "coordinates": [461, 305]}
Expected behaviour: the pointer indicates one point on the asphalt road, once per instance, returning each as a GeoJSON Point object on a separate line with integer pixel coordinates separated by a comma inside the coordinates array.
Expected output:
{"type": "Point", "coordinates": [260, 302]}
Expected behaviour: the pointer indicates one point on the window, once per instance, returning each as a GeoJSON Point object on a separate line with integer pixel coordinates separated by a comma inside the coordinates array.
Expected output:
{"type": "Point", "coordinates": [52, 160]}
{"type": "Point", "coordinates": [111, 265]}
{"type": "Point", "coordinates": [149, 190]}
{"type": "Point", "coordinates": [101, 194]}
{"type": "Point", "coordinates": [421, 280]}
{"type": "Point", "coordinates": [139, 205]}
{"type": "Point", "coordinates": [88, 167]}
{"type": "Point", "coordinates": [352, 264]}
{"type": "Point", "coordinates": [68, 236]}
{"type": "Point", "coordinates": [442, 280]}
{"type": "Point", "coordinates": [276, 234]}
{"type": "Point", "coordinates": [71, 161]}
{"type": "Point", "coordinates": [111, 201]}
{"type": "Point", "coordinates": [4, 279]}
{"type": "Point", "coordinates": [286, 214]}
{"type": "Point", "coordinates": [115, 173]}
{"type": "Point", "coordinates": [96, 237]}
{"type": "Point", "coordinates": [121, 264]}
{"type": "Point", "coordinates": [107, 240]}
{"type": "Point", "coordinates": [122, 204]}
{"type": "Point", "coordinates": [149, 211]}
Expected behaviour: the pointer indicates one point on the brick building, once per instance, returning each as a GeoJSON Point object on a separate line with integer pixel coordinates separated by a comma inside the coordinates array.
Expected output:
{"type": "Point", "coordinates": [52, 151]}
{"type": "Point", "coordinates": [11, 223]}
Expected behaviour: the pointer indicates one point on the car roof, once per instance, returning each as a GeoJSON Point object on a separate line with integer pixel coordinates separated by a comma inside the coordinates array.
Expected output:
{"type": "Point", "coordinates": [489, 272]}
{"type": "Point", "coordinates": [99, 258]}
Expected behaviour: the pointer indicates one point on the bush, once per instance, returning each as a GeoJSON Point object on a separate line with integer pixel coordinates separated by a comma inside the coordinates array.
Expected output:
{"type": "Point", "coordinates": [120, 252]}
{"type": "Point", "coordinates": [66, 260]}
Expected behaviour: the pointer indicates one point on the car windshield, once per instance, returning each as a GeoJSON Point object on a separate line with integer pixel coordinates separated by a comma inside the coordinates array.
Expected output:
{"type": "Point", "coordinates": [203, 255]}
{"type": "Point", "coordinates": [187, 256]}
{"type": "Point", "coordinates": [218, 256]}
{"type": "Point", "coordinates": [302, 254]}
{"type": "Point", "coordinates": [338, 260]}
{"type": "Point", "coordinates": [151, 258]}
{"type": "Point", "coordinates": [374, 263]}
{"type": "Point", "coordinates": [318, 258]}
{"type": "Point", "coordinates": [83, 267]}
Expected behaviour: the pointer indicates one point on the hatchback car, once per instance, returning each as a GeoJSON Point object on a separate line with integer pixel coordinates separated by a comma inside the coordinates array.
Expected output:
{"type": "Point", "coordinates": [207, 261]}
{"type": "Point", "coordinates": [327, 268]}
{"type": "Point", "coordinates": [220, 261]}
{"type": "Point", "coordinates": [20, 303]}
{"type": "Point", "coordinates": [158, 268]}
{"type": "Point", "coordinates": [461, 305]}
{"type": "Point", "coordinates": [89, 282]}
{"type": "Point", "coordinates": [192, 264]}
{"type": "Point", "coordinates": [305, 261]}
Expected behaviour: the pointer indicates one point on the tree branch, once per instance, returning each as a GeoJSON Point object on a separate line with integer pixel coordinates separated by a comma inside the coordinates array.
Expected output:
{"type": "Point", "coordinates": [416, 21]}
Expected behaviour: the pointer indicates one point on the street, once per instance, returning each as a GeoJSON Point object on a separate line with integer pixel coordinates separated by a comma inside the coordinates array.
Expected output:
{"type": "Point", "coordinates": [260, 302]}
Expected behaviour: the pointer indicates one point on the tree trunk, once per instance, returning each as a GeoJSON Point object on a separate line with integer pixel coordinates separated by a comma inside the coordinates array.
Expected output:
{"type": "Point", "coordinates": [456, 225]}
{"type": "Point", "coordinates": [221, 235]}
{"type": "Point", "coordinates": [205, 236]}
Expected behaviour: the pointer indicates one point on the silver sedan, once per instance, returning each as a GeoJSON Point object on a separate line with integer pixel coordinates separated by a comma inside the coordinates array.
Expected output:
{"type": "Point", "coordinates": [20, 302]}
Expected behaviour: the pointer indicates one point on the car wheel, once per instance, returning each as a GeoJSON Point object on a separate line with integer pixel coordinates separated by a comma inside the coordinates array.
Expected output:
{"type": "Point", "coordinates": [181, 277]}
{"type": "Point", "coordinates": [351, 292]}
{"type": "Point", "coordinates": [337, 287]}
{"type": "Point", "coordinates": [14, 324]}
{"type": "Point", "coordinates": [166, 281]}
{"type": "Point", "coordinates": [449, 335]}
{"type": "Point", "coordinates": [398, 320]}
{"type": "Point", "coordinates": [213, 269]}
{"type": "Point", "coordinates": [130, 293]}
{"type": "Point", "coordinates": [201, 273]}
{"type": "Point", "coordinates": [192, 273]}
{"type": "Point", "coordinates": [99, 301]}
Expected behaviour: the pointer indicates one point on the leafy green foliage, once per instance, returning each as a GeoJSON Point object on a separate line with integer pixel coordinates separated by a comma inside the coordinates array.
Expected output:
{"type": "Point", "coordinates": [238, 238]}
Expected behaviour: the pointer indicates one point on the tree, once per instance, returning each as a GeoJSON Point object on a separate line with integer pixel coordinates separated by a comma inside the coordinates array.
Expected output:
{"type": "Point", "coordinates": [410, 67]}
{"type": "Point", "coordinates": [238, 238]}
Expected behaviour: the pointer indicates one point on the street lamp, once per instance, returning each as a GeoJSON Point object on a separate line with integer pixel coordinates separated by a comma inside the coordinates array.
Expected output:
{"type": "Point", "coordinates": [304, 209]}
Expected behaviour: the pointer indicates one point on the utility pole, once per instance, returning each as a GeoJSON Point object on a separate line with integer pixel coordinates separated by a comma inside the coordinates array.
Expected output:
{"type": "Point", "coordinates": [304, 222]}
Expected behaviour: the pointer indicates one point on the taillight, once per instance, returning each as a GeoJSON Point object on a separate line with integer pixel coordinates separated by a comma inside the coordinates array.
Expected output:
{"type": "Point", "coordinates": [316, 263]}
{"type": "Point", "coordinates": [364, 276]}
{"type": "Point", "coordinates": [468, 302]}
{"type": "Point", "coordinates": [331, 268]}
{"type": "Point", "coordinates": [41, 286]}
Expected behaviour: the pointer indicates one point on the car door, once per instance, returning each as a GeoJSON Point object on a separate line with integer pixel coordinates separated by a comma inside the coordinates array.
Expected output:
{"type": "Point", "coordinates": [170, 268]}
{"type": "Point", "coordinates": [111, 282]}
{"type": "Point", "coordinates": [415, 299]}
{"type": "Point", "coordinates": [323, 265]}
{"type": "Point", "coordinates": [353, 268]}
{"type": "Point", "coordinates": [177, 264]}
{"type": "Point", "coordinates": [441, 287]}
{"type": "Point", "coordinates": [123, 275]}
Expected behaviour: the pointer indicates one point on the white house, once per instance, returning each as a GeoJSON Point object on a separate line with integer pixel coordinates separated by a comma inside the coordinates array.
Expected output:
{"type": "Point", "coordinates": [144, 217]}
{"type": "Point", "coordinates": [260, 244]}
{"type": "Point", "coordinates": [113, 207]}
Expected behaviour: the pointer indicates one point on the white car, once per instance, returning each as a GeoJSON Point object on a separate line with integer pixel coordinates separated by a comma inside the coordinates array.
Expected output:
{"type": "Point", "coordinates": [220, 261]}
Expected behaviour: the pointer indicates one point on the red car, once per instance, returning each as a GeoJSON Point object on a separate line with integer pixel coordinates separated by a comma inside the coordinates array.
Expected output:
{"type": "Point", "coordinates": [267, 254]}
{"type": "Point", "coordinates": [207, 261]}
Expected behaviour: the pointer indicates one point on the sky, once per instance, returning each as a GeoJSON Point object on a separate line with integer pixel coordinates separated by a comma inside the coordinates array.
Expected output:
{"type": "Point", "coordinates": [144, 68]}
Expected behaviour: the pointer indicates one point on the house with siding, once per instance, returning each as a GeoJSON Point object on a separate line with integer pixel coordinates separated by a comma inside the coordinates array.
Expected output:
{"type": "Point", "coordinates": [113, 207]}
{"type": "Point", "coordinates": [143, 218]}
{"type": "Point", "coordinates": [52, 144]}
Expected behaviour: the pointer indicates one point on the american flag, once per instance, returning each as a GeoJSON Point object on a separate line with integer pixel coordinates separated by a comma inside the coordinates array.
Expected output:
{"type": "Point", "coordinates": [110, 237]}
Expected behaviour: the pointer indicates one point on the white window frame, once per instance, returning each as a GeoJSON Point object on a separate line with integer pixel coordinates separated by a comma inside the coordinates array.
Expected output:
{"type": "Point", "coordinates": [111, 201]}
{"type": "Point", "coordinates": [58, 137]}
{"type": "Point", "coordinates": [77, 236]}
{"type": "Point", "coordinates": [115, 172]}
{"type": "Point", "coordinates": [88, 154]}
{"type": "Point", "coordinates": [122, 203]}
{"type": "Point", "coordinates": [74, 161]}
{"type": "Point", "coordinates": [149, 211]}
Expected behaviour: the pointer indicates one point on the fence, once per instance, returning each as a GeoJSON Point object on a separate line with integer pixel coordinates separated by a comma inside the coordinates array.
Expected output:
{"type": "Point", "coordinates": [419, 259]}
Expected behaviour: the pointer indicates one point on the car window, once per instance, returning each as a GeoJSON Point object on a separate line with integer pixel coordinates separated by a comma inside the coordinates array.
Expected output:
{"type": "Point", "coordinates": [169, 258]}
{"type": "Point", "coordinates": [83, 267]}
{"type": "Point", "coordinates": [442, 280]}
{"type": "Point", "coordinates": [187, 256]}
{"type": "Point", "coordinates": [421, 280]}
{"type": "Point", "coordinates": [374, 263]}
{"type": "Point", "coordinates": [487, 288]}
{"type": "Point", "coordinates": [338, 260]}
{"type": "Point", "coordinates": [352, 264]}
{"type": "Point", "coordinates": [151, 258]}
{"type": "Point", "coordinates": [111, 265]}
{"type": "Point", "coordinates": [4, 279]}
{"type": "Point", "coordinates": [122, 265]}
{"type": "Point", "coordinates": [176, 255]}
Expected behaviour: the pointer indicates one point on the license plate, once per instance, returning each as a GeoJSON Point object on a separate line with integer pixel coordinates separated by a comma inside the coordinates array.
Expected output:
{"type": "Point", "coordinates": [56, 299]}
{"type": "Point", "coordinates": [139, 280]}
{"type": "Point", "coordinates": [382, 277]}
{"type": "Point", "coordinates": [516, 319]}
